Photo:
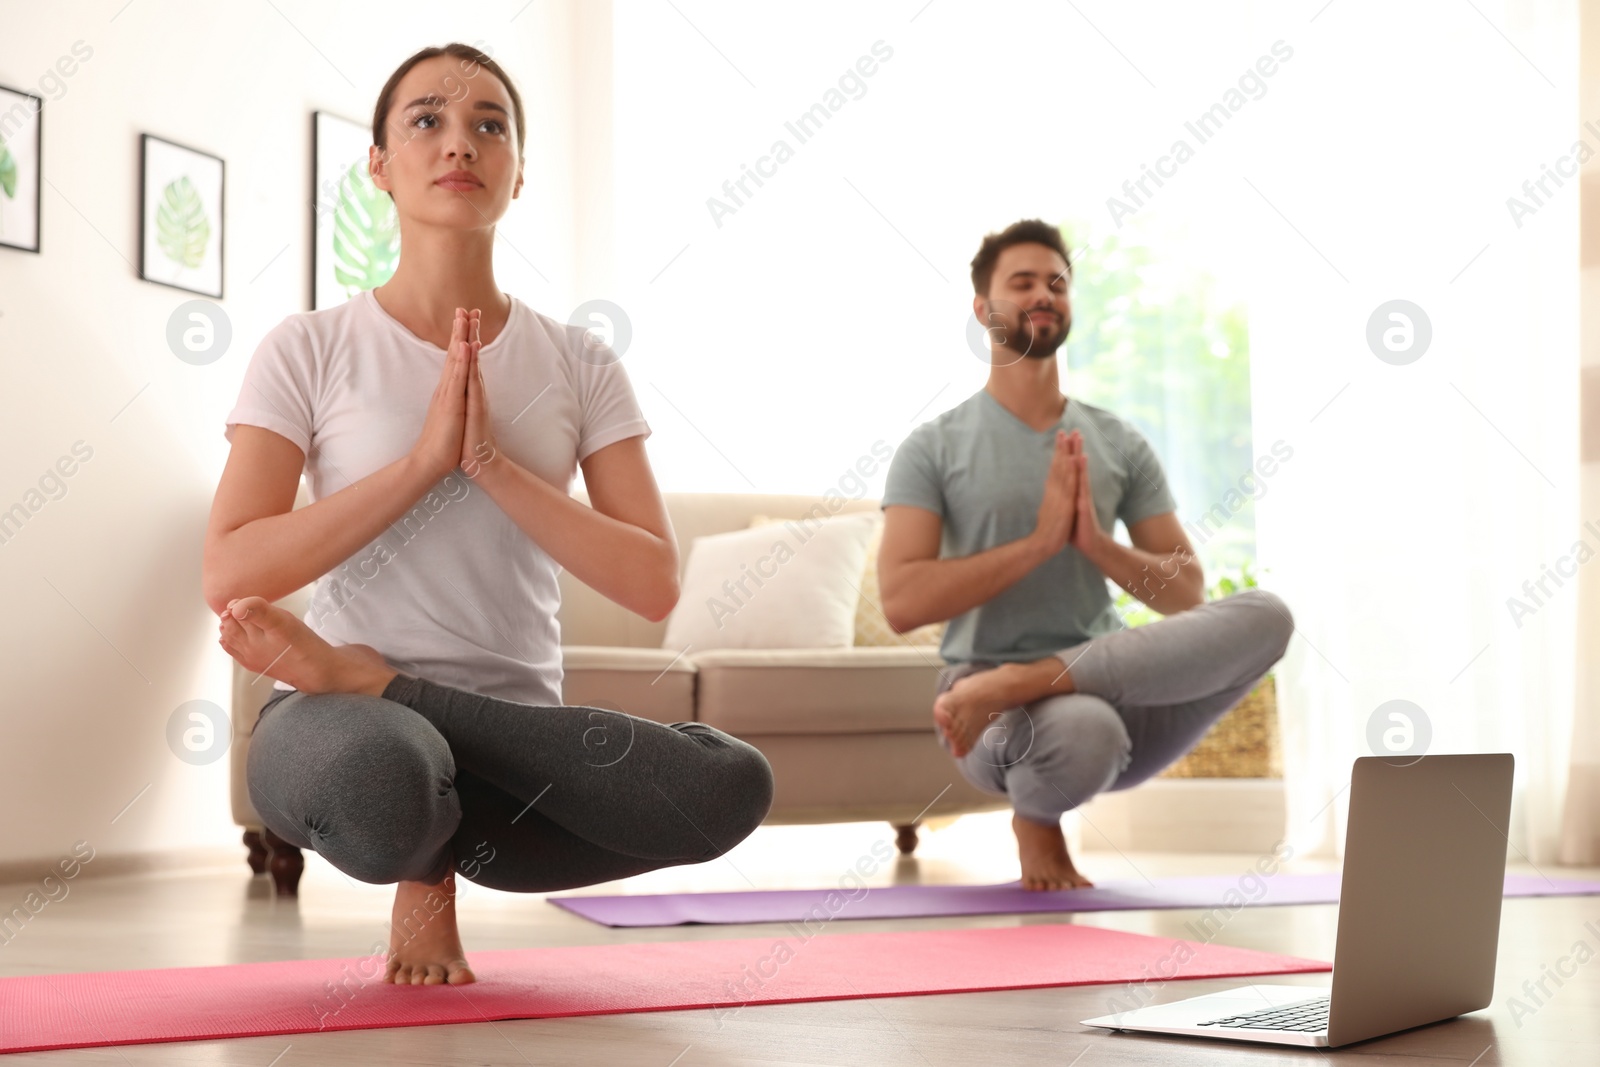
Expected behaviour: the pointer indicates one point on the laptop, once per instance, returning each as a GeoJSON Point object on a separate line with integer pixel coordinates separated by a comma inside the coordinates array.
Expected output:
{"type": "Point", "coordinates": [1419, 914]}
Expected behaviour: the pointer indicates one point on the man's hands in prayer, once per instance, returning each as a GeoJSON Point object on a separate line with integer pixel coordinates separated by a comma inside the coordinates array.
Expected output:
{"type": "Point", "coordinates": [1066, 513]}
{"type": "Point", "coordinates": [1087, 533]}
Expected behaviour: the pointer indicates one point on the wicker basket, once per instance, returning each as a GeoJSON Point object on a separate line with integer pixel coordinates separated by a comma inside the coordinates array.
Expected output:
{"type": "Point", "coordinates": [1243, 744]}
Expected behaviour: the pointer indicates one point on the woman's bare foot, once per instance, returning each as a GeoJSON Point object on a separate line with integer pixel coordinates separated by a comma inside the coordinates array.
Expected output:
{"type": "Point", "coordinates": [366, 652]}
{"type": "Point", "coordinates": [1043, 851]}
{"type": "Point", "coordinates": [271, 641]}
{"type": "Point", "coordinates": [975, 700]}
{"type": "Point", "coordinates": [424, 944]}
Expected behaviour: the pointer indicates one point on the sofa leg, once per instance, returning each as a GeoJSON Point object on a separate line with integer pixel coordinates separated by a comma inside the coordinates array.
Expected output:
{"type": "Point", "coordinates": [258, 851]}
{"type": "Point", "coordinates": [905, 838]}
{"type": "Point", "coordinates": [286, 864]}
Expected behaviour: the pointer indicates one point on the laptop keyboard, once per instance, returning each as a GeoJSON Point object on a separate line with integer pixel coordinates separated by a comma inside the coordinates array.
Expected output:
{"type": "Point", "coordinates": [1308, 1016]}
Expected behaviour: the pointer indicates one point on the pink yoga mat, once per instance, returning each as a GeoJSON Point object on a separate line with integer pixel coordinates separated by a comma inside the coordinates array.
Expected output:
{"type": "Point", "coordinates": [1230, 891]}
{"type": "Point", "coordinates": [40, 1012]}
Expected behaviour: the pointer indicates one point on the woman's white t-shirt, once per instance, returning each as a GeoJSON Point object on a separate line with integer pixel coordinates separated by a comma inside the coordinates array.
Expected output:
{"type": "Point", "coordinates": [452, 591]}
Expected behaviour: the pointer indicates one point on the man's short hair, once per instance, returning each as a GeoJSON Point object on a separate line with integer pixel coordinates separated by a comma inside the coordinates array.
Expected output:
{"type": "Point", "coordinates": [1028, 231]}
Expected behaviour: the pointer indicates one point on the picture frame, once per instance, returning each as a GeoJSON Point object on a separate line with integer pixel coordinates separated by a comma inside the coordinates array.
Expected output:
{"type": "Point", "coordinates": [355, 231]}
{"type": "Point", "coordinates": [21, 151]}
{"type": "Point", "coordinates": [181, 216]}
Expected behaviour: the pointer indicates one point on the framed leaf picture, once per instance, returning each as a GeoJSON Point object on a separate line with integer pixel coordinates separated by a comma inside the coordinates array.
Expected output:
{"type": "Point", "coordinates": [180, 216]}
{"type": "Point", "coordinates": [355, 241]}
{"type": "Point", "coordinates": [20, 123]}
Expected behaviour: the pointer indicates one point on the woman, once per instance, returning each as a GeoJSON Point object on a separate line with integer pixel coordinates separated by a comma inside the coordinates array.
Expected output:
{"type": "Point", "coordinates": [417, 728]}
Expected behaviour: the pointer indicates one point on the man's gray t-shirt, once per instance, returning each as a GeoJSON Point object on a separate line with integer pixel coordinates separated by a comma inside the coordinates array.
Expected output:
{"type": "Point", "coordinates": [982, 470]}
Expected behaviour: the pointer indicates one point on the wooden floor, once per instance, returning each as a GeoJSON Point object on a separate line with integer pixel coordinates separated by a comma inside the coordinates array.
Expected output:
{"type": "Point", "coordinates": [222, 915]}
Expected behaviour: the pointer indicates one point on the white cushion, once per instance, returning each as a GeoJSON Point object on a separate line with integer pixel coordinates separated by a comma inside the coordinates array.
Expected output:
{"type": "Point", "coordinates": [793, 585]}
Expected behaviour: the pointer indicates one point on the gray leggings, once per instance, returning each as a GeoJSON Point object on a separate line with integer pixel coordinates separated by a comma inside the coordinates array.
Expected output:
{"type": "Point", "coordinates": [516, 797]}
{"type": "Point", "coordinates": [1145, 696]}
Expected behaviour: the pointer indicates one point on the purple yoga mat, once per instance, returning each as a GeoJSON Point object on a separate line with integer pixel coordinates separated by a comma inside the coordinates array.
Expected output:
{"type": "Point", "coordinates": [1229, 891]}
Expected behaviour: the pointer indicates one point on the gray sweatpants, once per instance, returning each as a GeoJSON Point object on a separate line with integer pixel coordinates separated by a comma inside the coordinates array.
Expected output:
{"type": "Point", "coordinates": [515, 796]}
{"type": "Point", "coordinates": [1145, 696]}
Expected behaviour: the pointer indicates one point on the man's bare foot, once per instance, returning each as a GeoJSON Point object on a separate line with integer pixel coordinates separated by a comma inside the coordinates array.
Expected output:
{"type": "Point", "coordinates": [975, 700]}
{"type": "Point", "coordinates": [266, 639]}
{"type": "Point", "coordinates": [1043, 851]}
{"type": "Point", "coordinates": [424, 944]}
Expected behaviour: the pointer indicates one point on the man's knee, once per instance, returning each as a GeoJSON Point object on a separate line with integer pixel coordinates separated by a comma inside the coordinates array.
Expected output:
{"type": "Point", "coordinates": [1096, 733]}
{"type": "Point", "coordinates": [1080, 746]}
{"type": "Point", "coordinates": [1276, 620]}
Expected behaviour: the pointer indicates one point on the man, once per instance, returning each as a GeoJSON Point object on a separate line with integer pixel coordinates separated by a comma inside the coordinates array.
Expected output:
{"type": "Point", "coordinates": [1049, 700]}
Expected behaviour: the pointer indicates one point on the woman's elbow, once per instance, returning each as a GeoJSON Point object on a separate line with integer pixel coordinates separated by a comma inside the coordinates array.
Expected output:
{"type": "Point", "coordinates": [664, 601]}
{"type": "Point", "coordinates": [214, 588]}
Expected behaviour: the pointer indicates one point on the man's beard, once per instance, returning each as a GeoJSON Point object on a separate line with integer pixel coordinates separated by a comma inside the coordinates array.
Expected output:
{"type": "Point", "coordinates": [1033, 346]}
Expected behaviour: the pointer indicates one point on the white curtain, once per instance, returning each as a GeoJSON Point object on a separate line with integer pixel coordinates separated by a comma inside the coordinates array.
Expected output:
{"type": "Point", "coordinates": [1427, 530]}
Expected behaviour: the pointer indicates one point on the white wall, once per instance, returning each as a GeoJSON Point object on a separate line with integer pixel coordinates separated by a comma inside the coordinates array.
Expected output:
{"type": "Point", "coordinates": [105, 632]}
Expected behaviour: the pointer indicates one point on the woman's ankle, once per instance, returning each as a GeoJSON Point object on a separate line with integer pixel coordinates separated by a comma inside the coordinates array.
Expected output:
{"type": "Point", "coordinates": [372, 680]}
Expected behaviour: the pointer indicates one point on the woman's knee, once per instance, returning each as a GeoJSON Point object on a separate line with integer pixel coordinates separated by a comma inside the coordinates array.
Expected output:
{"type": "Point", "coordinates": [743, 780]}
{"type": "Point", "coordinates": [751, 784]}
{"type": "Point", "coordinates": [370, 786]}
{"type": "Point", "coordinates": [425, 858]}
{"type": "Point", "coordinates": [743, 768]}
{"type": "Point", "coordinates": [351, 735]}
